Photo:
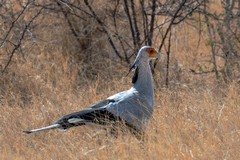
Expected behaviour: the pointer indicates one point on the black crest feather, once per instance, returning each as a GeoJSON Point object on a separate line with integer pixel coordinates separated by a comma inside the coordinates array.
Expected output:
{"type": "Point", "coordinates": [135, 76]}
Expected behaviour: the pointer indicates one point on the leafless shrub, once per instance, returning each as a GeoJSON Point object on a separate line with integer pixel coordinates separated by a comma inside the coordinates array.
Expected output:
{"type": "Point", "coordinates": [125, 26]}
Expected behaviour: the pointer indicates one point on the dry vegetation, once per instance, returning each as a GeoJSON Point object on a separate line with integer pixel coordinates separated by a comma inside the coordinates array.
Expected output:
{"type": "Point", "coordinates": [196, 117]}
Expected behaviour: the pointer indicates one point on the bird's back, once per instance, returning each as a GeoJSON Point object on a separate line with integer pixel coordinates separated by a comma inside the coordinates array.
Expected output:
{"type": "Point", "coordinates": [131, 106]}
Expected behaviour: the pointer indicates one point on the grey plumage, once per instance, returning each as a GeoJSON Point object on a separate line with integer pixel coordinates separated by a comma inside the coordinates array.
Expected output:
{"type": "Point", "coordinates": [134, 106]}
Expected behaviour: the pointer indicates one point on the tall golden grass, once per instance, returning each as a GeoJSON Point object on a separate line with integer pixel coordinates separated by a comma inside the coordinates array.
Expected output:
{"type": "Point", "coordinates": [189, 122]}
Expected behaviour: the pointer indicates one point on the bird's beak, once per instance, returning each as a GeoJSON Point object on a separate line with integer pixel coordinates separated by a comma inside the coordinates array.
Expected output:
{"type": "Point", "coordinates": [157, 56]}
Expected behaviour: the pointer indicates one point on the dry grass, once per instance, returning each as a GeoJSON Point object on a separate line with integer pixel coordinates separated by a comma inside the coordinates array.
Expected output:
{"type": "Point", "coordinates": [189, 123]}
{"type": "Point", "coordinates": [196, 118]}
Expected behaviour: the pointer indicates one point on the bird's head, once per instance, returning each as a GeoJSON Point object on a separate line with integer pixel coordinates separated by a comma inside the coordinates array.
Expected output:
{"type": "Point", "coordinates": [146, 53]}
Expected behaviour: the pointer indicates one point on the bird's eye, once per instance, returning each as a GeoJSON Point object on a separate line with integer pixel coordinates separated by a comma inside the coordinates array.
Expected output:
{"type": "Point", "coordinates": [152, 52]}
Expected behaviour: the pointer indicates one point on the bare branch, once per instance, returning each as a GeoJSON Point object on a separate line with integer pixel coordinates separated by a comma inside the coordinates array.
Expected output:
{"type": "Point", "coordinates": [168, 59]}
{"type": "Point", "coordinates": [212, 44]}
{"type": "Point", "coordinates": [104, 29]}
{"type": "Point", "coordinates": [130, 22]}
{"type": "Point", "coordinates": [117, 34]}
{"type": "Point", "coordinates": [145, 22]}
{"type": "Point", "coordinates": [136, 33]}
{"type": "Point", "coordinates": [20, 40]}
{"type": "Point", "coordinates": [188, 13]}
{"type": "Point", "coordinates": [13, 23]}
{"type": "Point", "coordinates": [73, 6]}
{"type": "Point", "coordinates": [150, 35]}
{"type": "Point", "coordinates": [65, 13]}
{"type": "Point", "coordinates": [171, 23]}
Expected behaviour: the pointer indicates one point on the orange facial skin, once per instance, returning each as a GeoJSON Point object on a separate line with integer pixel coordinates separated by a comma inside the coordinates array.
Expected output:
{"type": "Point", "coordinates": [152, 52]}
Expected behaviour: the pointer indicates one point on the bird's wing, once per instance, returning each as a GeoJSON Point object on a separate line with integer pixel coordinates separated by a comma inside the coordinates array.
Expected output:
{"type": "Point", "coordinates": [133, 108]}
{"type": "Point", "coordinates": [96, 113]}
{"type": "Point", "coordinates": [125, 106]}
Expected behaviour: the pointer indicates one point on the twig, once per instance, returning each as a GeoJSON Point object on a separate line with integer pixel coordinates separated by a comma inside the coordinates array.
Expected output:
{"type": "Point", "coordinates": [168, 58]}
{"type": "Point", "coordinates": [169, 27]}
{"type": "Point", "coordinates": [103, 28]}
{"type": "Point", "coordinates": [20, 40]}
{"type": "Point", "coordinates": [220, 112]}
{"type": "Point", "coordinates": [190, 12]}
{"type": "Point", "coordinates": [136, 33]}
{"type": "Point", "coordinates": [171, 23]}
{"type": "Point", "coordinates": [130, 22]}
{"type": "Point", "coordinates": [150, 35]}
{"type": "Point", "coordinates": [74, 32]}
{"type": "Point", "coordinates": [76, 7]}
{"type": "Point", "coordinates": [64, 3]}
{"type": "Point", "coordinates": [13, 24]}
{"type": "Point", "coordinates": [127, 59]}
{"type": "Point", "coordinates": [211, 43]}
{"type": "Point", "coordinates": [145, 22]}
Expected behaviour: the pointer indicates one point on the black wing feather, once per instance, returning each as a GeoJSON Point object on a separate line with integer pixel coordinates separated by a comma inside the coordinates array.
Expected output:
{"type": "Point", "coordinates": [97, 113]}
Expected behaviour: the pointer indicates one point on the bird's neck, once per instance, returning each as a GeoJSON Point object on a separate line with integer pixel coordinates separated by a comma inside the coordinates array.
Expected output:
{"type": "Point", "coordinates": [143, 81]}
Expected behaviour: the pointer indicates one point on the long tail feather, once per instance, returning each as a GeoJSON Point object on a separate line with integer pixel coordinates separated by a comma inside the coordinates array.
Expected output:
{"type": "Point", "coordinates": [43, 128]}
